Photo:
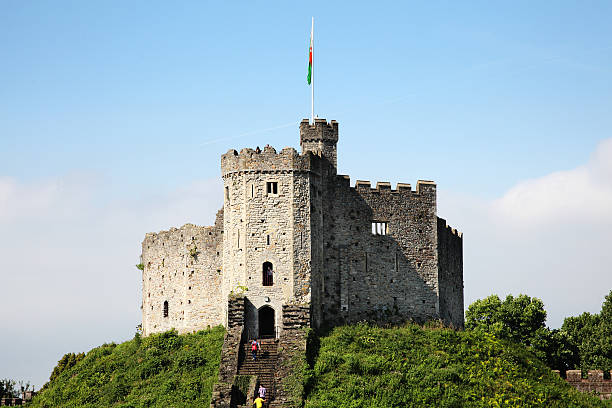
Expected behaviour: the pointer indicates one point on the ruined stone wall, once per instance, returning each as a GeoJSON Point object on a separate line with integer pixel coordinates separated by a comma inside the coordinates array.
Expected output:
{"type": "Point", "coordinates": [182, 266]}
{"type": "Point", "coordinates": [450, 274]}
{"type": "Point", "coordinates": [267, 226]}
{"type": "Point", "coordinates": [390, 277]}
{"type": "Point", "coordinates": [594, 382]}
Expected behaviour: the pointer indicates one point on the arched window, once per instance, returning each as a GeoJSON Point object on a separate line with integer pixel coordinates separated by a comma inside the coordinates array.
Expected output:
{"type": "Point", "coordinates": [267, 274]}
{"type": "Point", "coordinates": [166, 311]}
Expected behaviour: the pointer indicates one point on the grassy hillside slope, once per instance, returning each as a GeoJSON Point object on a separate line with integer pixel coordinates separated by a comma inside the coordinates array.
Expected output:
{"type": "Point", "coordinates": [162, 370]}
{"type": "Point", "coordinates": [411, 366]}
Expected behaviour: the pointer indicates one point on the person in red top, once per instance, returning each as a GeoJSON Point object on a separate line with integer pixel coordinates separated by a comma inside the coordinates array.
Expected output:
{"type": "Point", "coordinates": [254, 348]}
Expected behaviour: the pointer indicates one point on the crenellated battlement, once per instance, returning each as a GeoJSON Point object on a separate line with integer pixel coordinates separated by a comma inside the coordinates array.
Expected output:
{"type": "Point", "coordinates": [365, 186]}
{"type": "Point", "coordinates": [293, 234]}
{"type": "Point", "coordinates": [266, 160]}
{"type": "Point", "coordinates": [321, 130]}
{"type": "Point", "coordinates": [453, 231]}
{"type": "Point", "coordinates": [595, 381]}
{"type": "Point", "coordinates": [320, 138]}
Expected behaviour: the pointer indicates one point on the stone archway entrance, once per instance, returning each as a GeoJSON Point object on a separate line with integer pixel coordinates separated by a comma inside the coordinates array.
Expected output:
{"type": "Point", "coordinates": [266, 322]}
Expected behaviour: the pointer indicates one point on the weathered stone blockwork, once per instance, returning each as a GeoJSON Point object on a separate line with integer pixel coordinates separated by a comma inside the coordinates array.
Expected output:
{"type": "Point", "coordinates": [290, 212]}
{"type": "Point", "coordinates": [594, 382]}
{"type": "Point", "coordinates": [450, 274]}
{"type": "Point", "coordinates": [183, 268]}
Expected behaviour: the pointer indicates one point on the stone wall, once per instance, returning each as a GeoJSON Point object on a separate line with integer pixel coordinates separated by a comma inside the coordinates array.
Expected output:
{"type": "Point", "coordinates": [386, 278]}
{"type": "Point", "coordinates": [182, 266]}
{"type": "Point", "coordinates": [266, 224]}
{"type": "Point", "coordinates": [316, 231]}
{"type": "Point", "coordinates": [450, 274]}
{"type": "Point", "coordinates": [594, 382]}
{"type": "Point", "coordinates": [292, 350]}
{"type": "Point", "coordinates": [320, 138]}
{"type": "Point", "coordinates": [222, 390]}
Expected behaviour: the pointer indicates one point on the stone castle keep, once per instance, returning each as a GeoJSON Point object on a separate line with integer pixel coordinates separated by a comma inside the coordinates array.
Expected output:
{"type": "Point", "coordinates": [294, 238]}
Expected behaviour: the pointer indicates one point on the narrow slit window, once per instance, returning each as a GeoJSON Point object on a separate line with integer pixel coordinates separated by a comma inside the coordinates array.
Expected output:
{"type": "Point", "coordinates": [227, 195]}
{"type": "Point", "coordinates": [379, 228]}
{"type": "Point", "coordinates": [252, 190]}
{"type": "Point", "coordinates": [166, 309]}
{"type": "Point", "coordinates": [272, 187]}
{"type": "Point", "coordinates": [268, 239]}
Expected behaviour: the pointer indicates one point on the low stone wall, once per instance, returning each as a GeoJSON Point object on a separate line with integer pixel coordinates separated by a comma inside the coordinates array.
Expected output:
{"type": "Point", "coordinates": [296, 316]}
{"type": "Point", "coordinates": [222, 390]}
{"type": "Point", "coordinates": [11, 402]}
{"type": "Point", "coordinates": [291, 351]}
{"type": "Point", "coordinates": [594, 382]}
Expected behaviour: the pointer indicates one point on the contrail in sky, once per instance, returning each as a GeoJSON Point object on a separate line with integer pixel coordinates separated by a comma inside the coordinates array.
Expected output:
{"type": "Point", "coordinates": [481, 66]}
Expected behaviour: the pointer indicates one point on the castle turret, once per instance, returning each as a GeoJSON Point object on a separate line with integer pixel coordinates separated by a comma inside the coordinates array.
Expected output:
{"type": "Point", "coordinates": [320, 139]}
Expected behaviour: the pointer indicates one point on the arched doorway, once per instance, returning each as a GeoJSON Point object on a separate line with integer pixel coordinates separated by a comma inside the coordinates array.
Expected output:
{"type": "Point", "coordinates": [266, 322]}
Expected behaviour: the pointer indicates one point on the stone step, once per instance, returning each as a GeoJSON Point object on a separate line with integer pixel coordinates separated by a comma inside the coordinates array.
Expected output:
{"type": "Point", "coordinates": [264, 367]}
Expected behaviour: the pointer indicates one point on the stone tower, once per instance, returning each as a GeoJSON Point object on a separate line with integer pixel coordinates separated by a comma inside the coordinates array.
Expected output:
{"type": "Point", "coordinates": [293, 236]}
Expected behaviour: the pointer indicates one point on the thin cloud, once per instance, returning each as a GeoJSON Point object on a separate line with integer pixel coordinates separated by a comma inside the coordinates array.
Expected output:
{"type": "Point", "coordinates": [548, 237]}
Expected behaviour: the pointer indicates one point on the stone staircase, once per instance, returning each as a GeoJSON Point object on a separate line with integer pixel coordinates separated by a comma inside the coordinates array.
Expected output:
{"type": "Point", "coordinates": [263, 367]}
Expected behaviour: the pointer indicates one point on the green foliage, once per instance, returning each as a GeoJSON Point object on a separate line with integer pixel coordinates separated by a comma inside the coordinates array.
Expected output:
{"type": "Point", "coordinates": [521, 320]}
{"type": "Point", "coordinates": [582, 342]}
{"type": "Point", "coordinates": [517, 319]}
{"type": "Point", "coordinates": [590, 335]}
{"type": "Point", "coordinates": [299, 381]}
{"type": "Point", "coordinates": [412, 366]}
{"type": "Point", "coordinates": [161, 370]}
{"type": "Point", "coordinates": [239, 290]}
{"type": "Point", "coordinates": [8, 389]}
{"type": "Point", "coordinates": [241, 388]}
{"type": "Point", "coordinates": [140, 266]}
{"type": "Point", "coordinates": [68, 361]}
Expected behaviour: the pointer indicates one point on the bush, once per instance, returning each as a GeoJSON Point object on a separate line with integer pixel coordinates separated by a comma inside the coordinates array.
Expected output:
{"type": "Point", "coordinates": [412, 366]}
{"type": "Point", "coordinates": [160, 370]}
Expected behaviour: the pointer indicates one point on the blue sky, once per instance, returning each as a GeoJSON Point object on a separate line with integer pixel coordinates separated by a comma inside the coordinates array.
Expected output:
{"type": "Point", "coordinates": [113, 117]}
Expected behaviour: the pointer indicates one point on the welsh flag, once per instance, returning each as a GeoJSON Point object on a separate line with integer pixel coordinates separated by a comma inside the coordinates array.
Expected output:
{"type": "Point", "coordinates": [309, 78]}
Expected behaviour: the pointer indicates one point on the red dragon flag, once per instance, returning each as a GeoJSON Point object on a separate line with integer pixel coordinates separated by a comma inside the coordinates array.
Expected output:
{"type": "Point", "coordinates": [309, 78]}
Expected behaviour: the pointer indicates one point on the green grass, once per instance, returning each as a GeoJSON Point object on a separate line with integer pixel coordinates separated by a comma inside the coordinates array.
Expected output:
{"type": "Point", "coordinates": [162, 370]}
{"type": "Point", "coordinates": [412, 366]}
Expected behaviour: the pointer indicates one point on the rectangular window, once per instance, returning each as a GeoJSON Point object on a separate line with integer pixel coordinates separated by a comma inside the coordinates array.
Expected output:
{"type": "Point", "coordinates": [272, 187]}
{"type": "Point", "coordinates": [379, 228]}
{"type": "Point", "coordinates": [227, 195]}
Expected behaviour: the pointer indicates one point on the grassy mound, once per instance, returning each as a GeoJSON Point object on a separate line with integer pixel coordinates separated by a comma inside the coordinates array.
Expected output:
{"type": "Point", "coordinates": [162, 370]}
{"type": "Point", "coordinates": [412, 366]}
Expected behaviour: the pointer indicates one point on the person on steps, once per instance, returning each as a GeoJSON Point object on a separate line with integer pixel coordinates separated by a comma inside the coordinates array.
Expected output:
{"type": "Point", "coordinates": [258, 403]}
{"type": "Point", "coordinates": [254, 349]}
{"type": "Point", "coordinates": [262, 391]}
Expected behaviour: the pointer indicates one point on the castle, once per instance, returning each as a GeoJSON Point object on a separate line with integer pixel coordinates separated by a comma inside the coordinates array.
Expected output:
{"type": "Point", "coordinates": [294, 238]}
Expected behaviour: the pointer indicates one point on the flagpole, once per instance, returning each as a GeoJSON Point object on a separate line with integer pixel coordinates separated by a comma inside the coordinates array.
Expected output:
{"type": "Point", "coordinates": [312, 73]}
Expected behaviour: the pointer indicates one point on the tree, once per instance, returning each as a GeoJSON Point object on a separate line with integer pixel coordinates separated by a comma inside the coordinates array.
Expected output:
{"type": "Point", "coordinates": [517, 319]}
{"type": "Point", "coordinates": [522, 320]}
{"type": "Point", "coordinates": [591, 335]}
{"type": "Point", "coordinates": [8, 389]}
{"type": "Point", "coordinates": [66, 362]}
